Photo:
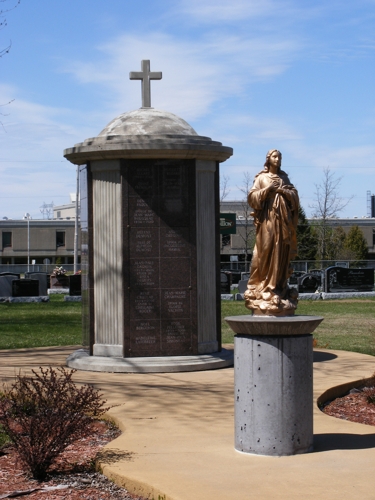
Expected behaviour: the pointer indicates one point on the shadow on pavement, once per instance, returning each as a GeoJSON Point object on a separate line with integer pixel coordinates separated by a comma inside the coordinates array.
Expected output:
{"type": "Point", "coordinates": [318, 356]}
{"type": "Point", "coordinates": [328, 442]}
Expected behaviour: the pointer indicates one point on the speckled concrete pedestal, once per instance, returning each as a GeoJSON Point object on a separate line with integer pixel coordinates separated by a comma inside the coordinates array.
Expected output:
{"type": "Point", "coordinates": [273, 384]}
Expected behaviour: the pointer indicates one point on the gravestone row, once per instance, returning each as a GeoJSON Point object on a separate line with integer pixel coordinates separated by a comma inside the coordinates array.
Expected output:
{"type": "Point", "coordinates": [33, 285]}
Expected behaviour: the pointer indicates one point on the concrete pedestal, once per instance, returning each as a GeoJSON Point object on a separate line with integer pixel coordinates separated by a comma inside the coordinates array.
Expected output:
{"type": "Point", "coordinates": [273, 384]}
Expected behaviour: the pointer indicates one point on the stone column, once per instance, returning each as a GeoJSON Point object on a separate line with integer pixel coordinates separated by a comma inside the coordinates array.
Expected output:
{"type": "Point", "coordinates": [273, 364]}
{"type": "Point", "coordinates": [206, 264]}
{"type": "Point", "coordinates": [107, 258]}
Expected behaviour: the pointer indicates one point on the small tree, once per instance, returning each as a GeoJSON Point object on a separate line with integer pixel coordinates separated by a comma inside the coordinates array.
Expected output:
{"type": "Point", "coordinates": [248, 234]}
{"type": "Point", "coordinates": [224, 189]}
{"type": "Point", "coordinates": [335, 244]}
{"type": "Point", "coordinates": [356, 243]}
{"type": "Point", "coordinates": [45, 413]}
{"type": "Point", "coordinates": [306, 238]}
{"type": "Point", "coordinates": [327, 204]}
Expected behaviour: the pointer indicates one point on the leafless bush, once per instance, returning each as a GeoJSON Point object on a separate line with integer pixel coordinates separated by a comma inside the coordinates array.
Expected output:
{"type": "Point", "coordinates": [44, 413]}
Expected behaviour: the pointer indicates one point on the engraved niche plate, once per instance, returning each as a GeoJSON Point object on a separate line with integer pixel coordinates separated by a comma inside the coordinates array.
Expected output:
{"type": "Point", "coordinates": [160, 258]}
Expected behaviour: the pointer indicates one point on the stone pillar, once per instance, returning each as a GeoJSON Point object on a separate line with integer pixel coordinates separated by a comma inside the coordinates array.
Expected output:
{"type": "Point", "coordinates": [273, 393]}
{"type": "Point", "coordinates": [107, 261]}
{"type": "Point", "coordinates": [206, 265]}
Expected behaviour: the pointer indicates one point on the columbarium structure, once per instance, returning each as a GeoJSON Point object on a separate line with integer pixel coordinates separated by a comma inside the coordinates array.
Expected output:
{"type": "Point", "coordinates": [150, 234]}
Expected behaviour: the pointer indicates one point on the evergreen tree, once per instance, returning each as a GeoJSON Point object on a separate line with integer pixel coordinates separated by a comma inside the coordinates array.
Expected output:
{"type": "Point", "coordinates": [356, 243]}
{"type": "Point", "coordinates": [335, 245]}
{"type": "Point", "coordinates": [306, 238]}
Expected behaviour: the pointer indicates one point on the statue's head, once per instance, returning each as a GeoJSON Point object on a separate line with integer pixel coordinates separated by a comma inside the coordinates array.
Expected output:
{"type": "Point", "coordinates": [270, 152]}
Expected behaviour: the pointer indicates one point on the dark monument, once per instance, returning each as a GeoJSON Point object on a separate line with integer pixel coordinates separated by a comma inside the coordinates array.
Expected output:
{"type": "Point", "coordinates": [6, 280]}
{"type": "Point", "coordinates": [25, 288]}
{"type": "Point", "coordinates": [293, 279]}
{"type": "Point", "coordinates": [225, 281]}
{"type": "Point", "coordinates": [341, 279]}
{"type": "Point", "coordinates": [43, 279]}
{"type": "Point", "coordinates": [309, 283]}
{"type": "Point", "coordinates": [75, 285]}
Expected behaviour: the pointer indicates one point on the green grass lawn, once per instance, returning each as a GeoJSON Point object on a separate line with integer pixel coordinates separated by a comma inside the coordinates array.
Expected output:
{"type": "Point", "coordinates": [40, 324]}
{"type": "Point", "coordinates": [348, 324]}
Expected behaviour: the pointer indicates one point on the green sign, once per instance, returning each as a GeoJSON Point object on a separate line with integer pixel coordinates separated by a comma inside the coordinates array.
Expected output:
{"type": "Point", "coordinates": [227, 223]}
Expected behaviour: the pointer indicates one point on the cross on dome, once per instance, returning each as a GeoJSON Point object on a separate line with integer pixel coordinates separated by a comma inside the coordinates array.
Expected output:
{"type": "Point", "coordinates": [145, 76]}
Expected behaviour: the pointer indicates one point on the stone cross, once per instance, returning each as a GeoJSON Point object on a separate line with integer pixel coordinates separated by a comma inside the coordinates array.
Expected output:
{"type": "Point", "coordinates": [145, 75]}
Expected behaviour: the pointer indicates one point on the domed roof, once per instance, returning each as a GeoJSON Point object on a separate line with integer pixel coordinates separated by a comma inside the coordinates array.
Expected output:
{"type": "Point", "coordinates": [147, 133]}
{"type": "Point", "coordinates": [147, 121]}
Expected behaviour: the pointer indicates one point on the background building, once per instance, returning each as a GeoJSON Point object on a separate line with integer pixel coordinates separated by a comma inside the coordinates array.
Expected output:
{"type": "Point", "coordinates": [67, 211]}
{"type": "Point", "coordinates": [41, 242]}
{"type": "Point", "coordinates": [236, 249]}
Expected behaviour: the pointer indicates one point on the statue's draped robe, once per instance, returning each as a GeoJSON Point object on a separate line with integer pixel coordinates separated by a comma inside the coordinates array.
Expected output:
{"type": "Point", "coordinates": [275, 218]}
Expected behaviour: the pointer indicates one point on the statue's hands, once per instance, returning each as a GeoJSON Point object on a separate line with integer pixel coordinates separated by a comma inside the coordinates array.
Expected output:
{"type": "Point", "coordinates": [274, 186]}
{"type": "Point", "coordinates": [285, 191]}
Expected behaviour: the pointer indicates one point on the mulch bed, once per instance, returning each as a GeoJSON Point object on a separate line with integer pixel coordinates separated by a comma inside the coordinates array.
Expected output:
{"type": "Point", "coordinates": [353, 407]}
{"type": "Point", "coordinates": [72, 477]}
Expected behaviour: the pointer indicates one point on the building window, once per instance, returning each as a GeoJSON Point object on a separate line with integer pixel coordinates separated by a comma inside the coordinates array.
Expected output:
{"type": "Point", "coordinates": [7, 239]}
{"type": "Point", "coordinates": [58, 213]}
{"type": "Point", "coordinates": [60, 239]}
{"type": "Point", "coordinates": [373, 237]}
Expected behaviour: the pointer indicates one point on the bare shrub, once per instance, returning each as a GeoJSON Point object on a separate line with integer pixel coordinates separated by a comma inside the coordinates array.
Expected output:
{"type": "Point", "coordinates": [45, 413]}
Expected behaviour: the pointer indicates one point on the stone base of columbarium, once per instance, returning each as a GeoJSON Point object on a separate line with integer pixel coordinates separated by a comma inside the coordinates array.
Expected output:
{"type": "Point", "coordinates": [273, 394]}
{"type": "Point", "coordinates": [81, 360]}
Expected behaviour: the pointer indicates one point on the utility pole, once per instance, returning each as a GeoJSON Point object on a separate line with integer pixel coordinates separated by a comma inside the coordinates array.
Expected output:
{"type": "Point", "coordinates": [76, 225]}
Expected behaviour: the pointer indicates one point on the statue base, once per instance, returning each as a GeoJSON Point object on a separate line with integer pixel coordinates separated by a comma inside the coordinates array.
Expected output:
{"type": "Point", "coordinates": [271, 303]}
{"type": "Point", "coordinates": [273, 384]}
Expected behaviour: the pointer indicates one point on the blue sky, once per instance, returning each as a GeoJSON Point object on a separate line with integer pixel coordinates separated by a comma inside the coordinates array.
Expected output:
{"type": "Point", "coordinates": [253, 74]}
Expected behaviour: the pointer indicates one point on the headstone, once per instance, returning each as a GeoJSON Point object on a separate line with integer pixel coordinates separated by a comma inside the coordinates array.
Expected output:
{"type": "Point", "coordinates": [43, 281]}
{"type": "Point", "coordinates": [340, 279]}
{"type": "Point", "coordinates": [227, 296]}
{"type": "Point", "coordinates": [75, 285]}
{"type": "Point", "coordinates": [318, 272]}
{"type": "Point", "coordinates": [309, 283]}
{"type": "Point", "coordinates": [59, 282]}
{"type": "Point", "coordinates": [242, 285]}
{"type": "Point", "coordinates": [225, 281]}
{"type": "Point", "coordinates": [25, 288]}
{"type": "Point", "coordinates": [6, 280]}
{"type": "Point", "coordinates": [293, 279]}
{"type": "Point", "coordinates": [16, 275]}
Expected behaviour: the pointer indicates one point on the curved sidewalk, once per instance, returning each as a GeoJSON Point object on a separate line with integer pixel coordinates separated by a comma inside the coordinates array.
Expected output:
{"type": "Point", "coordinates": [177, 441]}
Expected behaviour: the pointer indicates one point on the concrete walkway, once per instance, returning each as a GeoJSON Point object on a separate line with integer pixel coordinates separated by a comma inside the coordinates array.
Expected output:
{"type": "Point", "coordinates": [177, 441]}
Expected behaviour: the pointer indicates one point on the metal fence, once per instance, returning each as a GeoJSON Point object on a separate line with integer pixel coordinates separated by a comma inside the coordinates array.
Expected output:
{"type": "Point", "coordinates": [34, 268]}
{"type": "Point", "coordinates": [305, 266]}
{"type": "Point", "coordinates": [309, 265]}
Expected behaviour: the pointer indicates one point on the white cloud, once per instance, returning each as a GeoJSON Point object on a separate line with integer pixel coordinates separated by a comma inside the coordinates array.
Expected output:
{"type": "Point", "coordinates": [357, 158]}
{"type": "Point", "coordinates": [196, 75]}
{"type": "Point", "coordinates": [32, 166]}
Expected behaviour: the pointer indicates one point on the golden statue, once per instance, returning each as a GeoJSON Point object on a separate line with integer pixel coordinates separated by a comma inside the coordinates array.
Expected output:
{"type": "Point", "coordinates": [275, 203]}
